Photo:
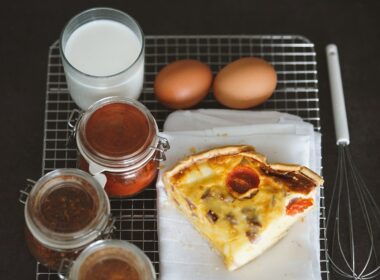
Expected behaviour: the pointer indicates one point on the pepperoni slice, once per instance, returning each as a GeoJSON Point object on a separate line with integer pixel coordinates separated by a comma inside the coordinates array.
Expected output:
{"type": "Point", "coordinates": [298, 205]}
{"type": "Point", "coordinates": [242, 179]}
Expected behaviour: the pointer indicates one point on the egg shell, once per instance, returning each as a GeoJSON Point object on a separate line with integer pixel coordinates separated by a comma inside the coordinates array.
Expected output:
{"type": "Point", "coordinates": [245, 83]}
{"type": "Point", "coordinates": [183, 83]}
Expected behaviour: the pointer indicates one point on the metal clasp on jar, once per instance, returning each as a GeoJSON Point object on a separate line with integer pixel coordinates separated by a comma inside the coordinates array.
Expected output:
{"type": "Point", "coordinates": [24, 194]}
{"type": "Point", "coordinates": [109, 229]}
{"type": "Point", "coordinates": [162, 146]}
{"type": "Point", "coordinates": [72, 122]}
{"type": "Point", "coordinates": [64, 268]}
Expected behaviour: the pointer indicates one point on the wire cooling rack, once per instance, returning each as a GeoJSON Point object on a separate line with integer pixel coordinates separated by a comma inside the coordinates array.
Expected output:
{"type": "Point", "coordinates": [294, 59]}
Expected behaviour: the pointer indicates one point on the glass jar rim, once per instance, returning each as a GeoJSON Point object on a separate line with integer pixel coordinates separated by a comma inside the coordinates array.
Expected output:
{"type": "Point", "coordinates": [128, 162]}
{"type": "Point", "coordinates": [93, 18]}
{"type": "Point", "coordinates": [105, 244]}
{"type": "Point", "coordinates": [70, 240]}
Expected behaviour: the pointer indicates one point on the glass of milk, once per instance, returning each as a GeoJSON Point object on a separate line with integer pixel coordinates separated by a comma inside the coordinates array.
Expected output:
{"type": "Point", "coordinates": [102, 52]}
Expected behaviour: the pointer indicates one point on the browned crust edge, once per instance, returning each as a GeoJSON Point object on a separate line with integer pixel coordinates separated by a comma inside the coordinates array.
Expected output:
{"type": "Point", "coordinates": [245, 150]}
{"type": "Point", "coordinates": [318, 180]}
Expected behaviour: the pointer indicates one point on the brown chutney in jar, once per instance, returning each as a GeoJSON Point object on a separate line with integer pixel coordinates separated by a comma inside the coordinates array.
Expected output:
{"type": "Point", "coordinates": [66, 210]}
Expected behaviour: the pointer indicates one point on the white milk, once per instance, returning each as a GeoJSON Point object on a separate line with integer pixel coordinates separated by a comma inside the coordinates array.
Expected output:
{"type": "Point", "coordinates": [103, 49]}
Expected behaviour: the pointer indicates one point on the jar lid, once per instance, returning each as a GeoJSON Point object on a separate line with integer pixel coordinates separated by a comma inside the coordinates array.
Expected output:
{"type": "Point", "coordinates": [112, 259]}
{"type": "Point", "coordinates": [67, 208]}
{"type": "Point", "coordinates": [117, 132]}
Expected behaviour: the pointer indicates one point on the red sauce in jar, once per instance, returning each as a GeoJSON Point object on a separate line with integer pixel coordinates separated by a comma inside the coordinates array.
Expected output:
{"type": "Point", "coordinates": [119, 137]}
{"type": "Point", "coordinates": [117, 130]}
{"type": "Point", "coordinates": [127, 184]}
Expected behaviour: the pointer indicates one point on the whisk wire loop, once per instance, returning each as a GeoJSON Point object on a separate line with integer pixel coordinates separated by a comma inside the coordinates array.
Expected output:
{"type": "Point", "coordinates": [360, 197]}
{"type": "Point", "coordinates": [350, 194]}
{"type": "Point", "coordinates": [372, 211]}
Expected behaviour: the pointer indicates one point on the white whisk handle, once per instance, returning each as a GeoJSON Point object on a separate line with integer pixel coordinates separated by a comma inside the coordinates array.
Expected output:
{"type": "Point", "coordinates": [337, 96]}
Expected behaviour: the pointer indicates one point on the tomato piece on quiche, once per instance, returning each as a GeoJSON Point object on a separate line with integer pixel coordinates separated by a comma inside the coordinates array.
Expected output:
{"type": "Point", "coordinates": [239, 202]}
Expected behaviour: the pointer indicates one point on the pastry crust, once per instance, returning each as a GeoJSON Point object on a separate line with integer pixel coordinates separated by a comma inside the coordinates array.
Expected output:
{"type": "Point", "coordinates": [248, 151]}
{"type": "Point", "coordinates": [225, 150]}
{"type": "Point", "coordinates": [318, 180]}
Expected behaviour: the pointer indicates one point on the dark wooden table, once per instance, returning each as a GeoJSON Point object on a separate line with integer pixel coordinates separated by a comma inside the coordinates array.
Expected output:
{"type": "Point", "coordinates": [30, 27]}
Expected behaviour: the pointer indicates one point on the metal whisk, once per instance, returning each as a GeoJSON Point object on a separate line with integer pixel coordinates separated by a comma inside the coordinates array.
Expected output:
{"type": "Point", "coordinates": [353, 220]}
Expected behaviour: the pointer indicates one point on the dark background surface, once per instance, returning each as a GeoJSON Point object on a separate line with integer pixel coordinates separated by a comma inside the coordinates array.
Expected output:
{"type": "Point", "coordinates": [30, 27]}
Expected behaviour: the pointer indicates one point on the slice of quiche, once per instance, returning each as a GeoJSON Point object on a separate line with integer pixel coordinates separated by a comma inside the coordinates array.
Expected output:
{"type": "Point", "coordinates": [240, 203]}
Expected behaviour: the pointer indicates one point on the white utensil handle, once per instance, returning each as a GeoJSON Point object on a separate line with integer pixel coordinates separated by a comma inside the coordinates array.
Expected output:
{"type": "Point", "coordinates": [337, 96]}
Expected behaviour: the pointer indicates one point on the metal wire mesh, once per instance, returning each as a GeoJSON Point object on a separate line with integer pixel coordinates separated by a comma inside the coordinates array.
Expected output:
{"type": "Point", "coordinates": [294, 59]}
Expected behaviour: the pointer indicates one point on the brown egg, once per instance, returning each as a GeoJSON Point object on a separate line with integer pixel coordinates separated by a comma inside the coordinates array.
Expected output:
{"type": "Point", "coordinates": [183, 83]}
{"type": "Point", "coordinates": [245, 83]}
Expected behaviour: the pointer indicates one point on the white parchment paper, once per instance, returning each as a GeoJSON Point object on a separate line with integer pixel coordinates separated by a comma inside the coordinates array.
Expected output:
{"type": "Point", "coordinates": [184, 253]}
